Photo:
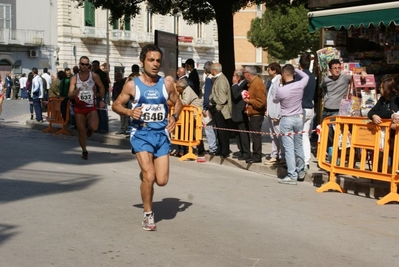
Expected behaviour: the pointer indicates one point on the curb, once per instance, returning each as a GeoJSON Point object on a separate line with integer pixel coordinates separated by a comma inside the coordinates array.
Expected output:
{"type": "Point", "coordinates": [356, 186]}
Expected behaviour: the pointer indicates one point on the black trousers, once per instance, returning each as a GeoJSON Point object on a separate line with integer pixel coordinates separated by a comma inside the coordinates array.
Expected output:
{"type": "Point", "coordinates": [223, 136]}
{"type": "Point", "coordinates": [243, 138]}
{"type": "Point", "coordinates": [255, 124]}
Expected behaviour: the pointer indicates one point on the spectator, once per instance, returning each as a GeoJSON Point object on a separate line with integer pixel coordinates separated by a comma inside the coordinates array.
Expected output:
{"type": "Point", "coordinates": [206, 115]}
{"type": "Point", "coordinates": [277, 155]}
{"type": "Point", "coordinates": [256, 108]}
{"type": "Point", "coordinates": [193, 76]}
{"type": "Point", "coordinates": [103, 126]}
{"type": "Point", "coordinates": [9, 84]}
{"type": "Point", "coordinates": [47, 77]}
{"type": "Point", "coordinates": [238, 115]}
{"type": "Point", "coordinates": [55, 84]}
{"type": "Point", "coordinates": [334, 87]}
{"type": "Point", "coordinates": [37, 94]}
{"type": "Point", "coordinates": [220, 106]}
{"type": "Point", "coordinates": [181, 74]}
{"type": "Point", "coordinates": [117, 89]}
{"type": "Point", "coordinates": [135, 71]}
{"type": "Point", "coordinates": [29, 93]}
{"type": "Point", "coordinates": [307, 105]}
{"type": "Point", "coordinates": [1, 94]}
{"type": "Point", "coordinates": [290, 98]}
{"type": "Point", "coordinates": [22, 83]}
{"type": "Point", "coordinates": [16, 87]}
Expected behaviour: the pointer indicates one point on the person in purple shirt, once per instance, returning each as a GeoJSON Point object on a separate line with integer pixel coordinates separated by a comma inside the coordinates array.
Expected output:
{"type": "Point", "coordinates": [291, 124]}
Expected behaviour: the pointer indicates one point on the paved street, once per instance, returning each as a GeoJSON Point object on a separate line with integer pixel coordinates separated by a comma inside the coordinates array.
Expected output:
{"type": "Point", "coordinates": [59, 210]}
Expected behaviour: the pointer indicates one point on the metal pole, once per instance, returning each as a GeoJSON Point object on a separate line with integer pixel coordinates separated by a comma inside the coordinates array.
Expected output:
{"type": "Point", "coordinates": [108, 41]}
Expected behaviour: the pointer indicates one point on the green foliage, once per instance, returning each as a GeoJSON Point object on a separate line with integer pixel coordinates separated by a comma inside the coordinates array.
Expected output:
{"type": "Point", "coordinates": [283, 32]}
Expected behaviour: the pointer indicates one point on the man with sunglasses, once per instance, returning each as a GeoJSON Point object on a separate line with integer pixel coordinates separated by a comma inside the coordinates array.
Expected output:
{"type": "Point", "coordinates": [82, 89]}
{"type": "Point", "coordinates": [151, 126]}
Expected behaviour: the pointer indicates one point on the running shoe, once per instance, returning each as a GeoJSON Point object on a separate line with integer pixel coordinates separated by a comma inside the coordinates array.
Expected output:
{"type": "Point", "coordinates": [85, 155]}
{"type": "Point", "coordinates": [302, 174]}
{"type": "Point", "coordinates": [287, 180]}
{"type": "Point", "coordinates": [89, 132]}
{"type": "Point", "coordinates": [149, 223]}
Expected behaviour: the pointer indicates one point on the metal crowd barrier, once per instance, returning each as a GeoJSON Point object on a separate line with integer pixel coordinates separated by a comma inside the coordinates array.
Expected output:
{"type": "Point", "coordinates": [188, 130]}
{"type": "Point", "coordinates": [54, 116]}
{"type": "Point", "coordinates": [359, 148]}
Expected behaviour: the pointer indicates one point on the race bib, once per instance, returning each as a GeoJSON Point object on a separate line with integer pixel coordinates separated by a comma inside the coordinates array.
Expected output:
{"type": "Point", "coordinates": [153, 112]}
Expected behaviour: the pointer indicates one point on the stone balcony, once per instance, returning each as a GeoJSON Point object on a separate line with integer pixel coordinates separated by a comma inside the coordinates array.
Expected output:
{"type": "Point", "coordinates": [21, 37]}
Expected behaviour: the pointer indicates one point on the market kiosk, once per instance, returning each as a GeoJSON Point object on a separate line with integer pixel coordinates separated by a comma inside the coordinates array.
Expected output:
{"type": "Point", "coordinates": [366, 35]}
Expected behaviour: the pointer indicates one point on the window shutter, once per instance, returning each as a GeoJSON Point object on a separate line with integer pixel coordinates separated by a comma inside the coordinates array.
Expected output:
{"type": "Point", "coordinates": [89, 13]}
{"type": "Point", "coordinates": [127, 23]}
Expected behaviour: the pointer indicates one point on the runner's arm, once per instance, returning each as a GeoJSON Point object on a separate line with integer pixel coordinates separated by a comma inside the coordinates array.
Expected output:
{"type": "Point", "coordinates": [123, 99]}
{"type": "Point", "coordinates": [71, 92]}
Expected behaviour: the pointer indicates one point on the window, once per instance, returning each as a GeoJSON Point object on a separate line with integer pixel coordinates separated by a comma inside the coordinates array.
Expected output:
{"type": "Point", "coordinates": [259, 7]}
{"type": "Point", "coordinates": [5, 16]}
{"type": "Point", "coordinates": [149, 22]}
{"type": "Point", "coordinates": [115, 25]}
{"type": "Point", "coordinates": [200, 30]}
{"type": "Point", "coordinates": [127, 23]}
{"type": "Point", "coordinates": [176, 29]}
{"type": "Point", "coordinates": [89, 13]}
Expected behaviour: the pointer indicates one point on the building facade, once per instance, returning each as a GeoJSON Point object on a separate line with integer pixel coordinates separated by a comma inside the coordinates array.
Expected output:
{"type": "Point", "coordinates": [54, 34]}
{"type": "Point", "coordinates": [87, 31]}
{"type": "Point", "coordinates": [245, 52]}
{"type": "Point", "coordinates": [28, 35]}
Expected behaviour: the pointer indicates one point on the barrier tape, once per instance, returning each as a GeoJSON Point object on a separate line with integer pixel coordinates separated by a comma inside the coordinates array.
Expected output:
{"type": "Point", "coordinates": [255, 132]}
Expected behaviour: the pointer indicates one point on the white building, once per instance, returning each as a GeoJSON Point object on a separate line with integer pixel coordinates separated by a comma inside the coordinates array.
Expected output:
{"type": "Point", "coordinates": [56, 33]}
{"type": "Point", "coordinates": [28, 35]}
{"type": "Point", "coordinates": [85, 32]}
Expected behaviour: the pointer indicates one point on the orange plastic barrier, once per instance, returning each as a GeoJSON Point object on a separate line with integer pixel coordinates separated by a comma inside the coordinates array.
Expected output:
{"type": "Point", "coordinates": [360, 148]}
{"type": "Point", "coordinates": [54, 116]}
{"type": "Point", "coordinates": [188, 130]}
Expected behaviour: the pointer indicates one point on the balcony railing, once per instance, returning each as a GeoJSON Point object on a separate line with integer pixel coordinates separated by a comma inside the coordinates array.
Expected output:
{"type": "Point", "coordinates": [145, 37]}
{"type": "Point", "coordinates": [21, 37]}
{"type": "Point", "coordinates": [94, 33]}
{"type": "Point", "coordinates": [203, 42]}
{"type": "Point", "coordinates": [120, 35]}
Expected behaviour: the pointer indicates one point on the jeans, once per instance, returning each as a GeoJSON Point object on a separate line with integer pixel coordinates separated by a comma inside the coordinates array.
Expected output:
{"type": "Point", "coordinates": [278, 151]}
{"type": "Point", "coordinates": [211, 137]}
{"type": "Point", "coordinates": [37, 105]}
{"type": "Point", "coordinates": [331, 129]}
{"type": "Point", "coordinates": [308, 114]}
{"type": "Point", "coordinates": [292, 143]}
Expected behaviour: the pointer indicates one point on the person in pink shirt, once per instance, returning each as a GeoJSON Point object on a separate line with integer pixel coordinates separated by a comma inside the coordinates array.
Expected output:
{"type": "Point", "coordinates": [291, 124]}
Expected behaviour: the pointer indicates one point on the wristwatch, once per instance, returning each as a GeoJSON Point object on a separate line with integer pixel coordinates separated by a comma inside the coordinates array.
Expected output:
{"type": "Point", "coordinates": [175, 116]}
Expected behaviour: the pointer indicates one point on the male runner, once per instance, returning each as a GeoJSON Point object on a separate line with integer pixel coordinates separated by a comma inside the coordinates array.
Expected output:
{"type": "Point", "coordinates": [151, 126]}
{"type": "Point", "coordinates": [82, 89]}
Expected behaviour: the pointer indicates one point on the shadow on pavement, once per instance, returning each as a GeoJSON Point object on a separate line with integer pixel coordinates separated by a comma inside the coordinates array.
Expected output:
{"type": "Point", "coordinates": [167, 209]}
{"type": "Point", "coordinates": [13, 190]}
{"type": "Point", "coordinates": [6, 232]}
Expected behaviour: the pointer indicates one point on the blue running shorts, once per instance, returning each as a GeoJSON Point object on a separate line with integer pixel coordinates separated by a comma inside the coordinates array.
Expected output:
{"type": "Point", "coordinates": [157, 142]}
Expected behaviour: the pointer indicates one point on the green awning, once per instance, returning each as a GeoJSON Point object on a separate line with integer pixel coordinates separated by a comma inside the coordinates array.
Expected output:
{"type": "Point", "coordinates": [356, 16]}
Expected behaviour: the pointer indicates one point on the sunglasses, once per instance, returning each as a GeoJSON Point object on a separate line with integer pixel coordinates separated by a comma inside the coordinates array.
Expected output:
{"type": "Point", "coordinates": [84, 64]}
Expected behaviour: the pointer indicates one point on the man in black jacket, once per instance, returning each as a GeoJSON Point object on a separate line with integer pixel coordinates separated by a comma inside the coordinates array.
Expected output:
{"type": "Point", "coordinates": [103, 126]}
{"type": "Point", "coordinates": [238, 115]}
{"type": "Point", "coordinates": [193, 76]}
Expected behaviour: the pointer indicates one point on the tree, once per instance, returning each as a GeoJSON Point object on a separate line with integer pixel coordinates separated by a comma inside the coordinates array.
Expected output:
{"type": "Point", "coordinates": [283, 32]}
{"type": "Point", "coordinates": [193, 11]}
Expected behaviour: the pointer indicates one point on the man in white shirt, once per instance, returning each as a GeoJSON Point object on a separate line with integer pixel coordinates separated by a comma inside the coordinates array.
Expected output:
{"type": "Point", "coordinates": [37, 94]}
{"type": "Point", "coordinates": [47, 77]}
{"type": "Point", "coordinates": [22, 83]}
